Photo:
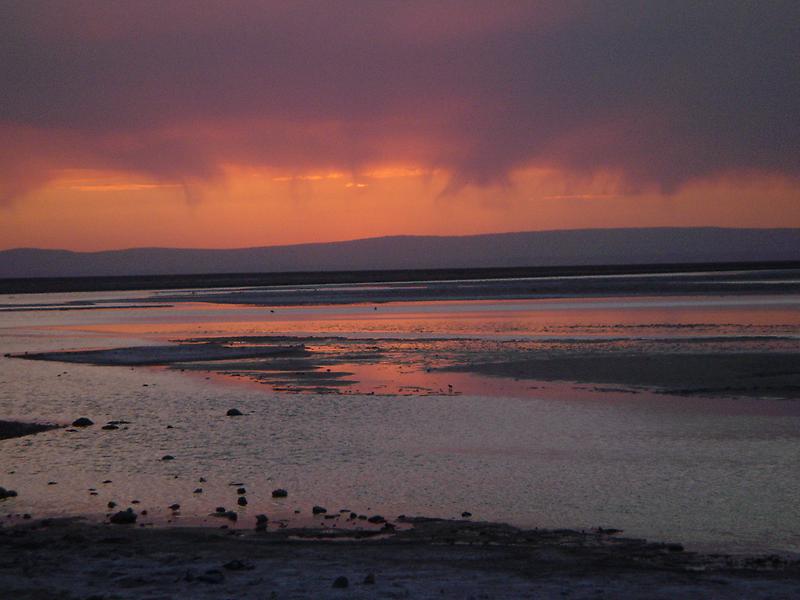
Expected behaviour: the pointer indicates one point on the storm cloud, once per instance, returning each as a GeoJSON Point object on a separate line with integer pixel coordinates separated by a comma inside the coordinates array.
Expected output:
{"type": "Point", "coordinates": [660, 92]}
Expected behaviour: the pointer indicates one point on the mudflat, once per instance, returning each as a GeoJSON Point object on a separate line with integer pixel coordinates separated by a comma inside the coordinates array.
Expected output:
{"type": "Point", "coordinates": [773, 374]}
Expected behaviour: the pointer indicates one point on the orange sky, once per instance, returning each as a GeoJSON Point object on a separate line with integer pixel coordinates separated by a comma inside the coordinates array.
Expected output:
{"type": "Point", "coordinates": [252, 207]}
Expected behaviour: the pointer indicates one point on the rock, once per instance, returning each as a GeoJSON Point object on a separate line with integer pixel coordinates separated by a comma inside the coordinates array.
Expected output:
{"type": "Point", "coordinates": [238, 565]}
{"type": "Point", "coordinates": [674, 547]}
{"type": "Point", "coordinates": [211, 576]}
{"type": "Point", "coordinates": [279, 493]}
{"type": "Point", "coordinates": [220, 510]}
{"type": "Point", "coordinates": [341, 582]}
{"type": "Point", "coordinates": [241, 491]}
{"type": "Point", "coordinates": [198, 490]}
{"type": "Point", "coordinates": [82, 422]}
{"type": "Point", "coordinates": [124, 517]}
{"type": "Point", "coordinates": [109, 427]}
{"type": "Point", "coordinates": [241, 501]}
{"type": "Point", "coordinates": [376, 519]}
{"type": "Point", "coordinates": [112, 504]}
{"type": "Point", "coordinates": [318, 510]}
{"type": "Point", "coordinates": [168, 457]}
{"type": "Point", "coordinates": [234, 412]}
{"type": "Point", "coordinates": [231, 516]}
{"type": "Point", "coordinates": [369, 579]}
{"type": "Point", "coordinates": [4, 493]}
{"type": "Point", "coordinates": [261, 518]}
{"type": "Point", "coordinates": [466, 514]}
{"type": "Point", "coordinates": [175, 506]}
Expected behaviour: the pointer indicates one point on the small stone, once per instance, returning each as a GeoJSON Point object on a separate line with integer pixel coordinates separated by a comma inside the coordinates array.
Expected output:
{"type": "Point", "coordinates": [211, 576]}
{"type": "Point", "coordinates": [238, 565]}
{"type": "Point", "coordinates": [233, 412]}
{"type": "Point", "coordinates": [168, 457]}
{"type": "Point", "coordinates": [52, 483]}
{"type": "Point", "coordinates": [376, 519]}
{"type": "Point", "coordinates": [82, 422]}
{"type": "Point", "coordinates": [220, 510]}
{"type": "Point", "coordinates": [241, 491]}
{"type": "Point", "coordinates": [241, 501]}
{"type": "Point", "coordinates": [175, 506]}
{"type": "Point", "coordinates": [369, 579]}
{"type": "Point", "coordinates": [4, 493]}
{"type": "Point", "coordinates": [198, 490]}
{"type": "Point", "coordinates": [466, 514]}
{"type": "Point", "coordinates": [109, 427]}
{"type": "Point", "coordinates": [231, 516]}
{"type": "Point", "coordinates": [112, 504]}
{"type": "Point", "coordinates": [341, 582]}
{"type": "Point", "coordinates": [261, 518]}
{"type": "Point", "coordinates": [124, 517]}
{"type": "Point", "coordinates": [318, 510]}
{"type": "Point", "coordinates": [279, 493]}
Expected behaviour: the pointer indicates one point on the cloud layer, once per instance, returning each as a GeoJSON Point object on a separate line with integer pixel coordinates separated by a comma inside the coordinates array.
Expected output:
{"type": "Point", "coordinates": [660, 92]}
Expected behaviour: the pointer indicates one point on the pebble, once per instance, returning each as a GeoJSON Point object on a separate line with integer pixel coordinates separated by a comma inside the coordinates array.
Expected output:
{"type": "Point", "coordinates": [4, 493]}
{"type": "Point", "coordinates": [242, 501]}
{"type": "Point", "coordinates": [82, 422]}
{"type": "Point", "coordinates": [234, 412]}
{"type": "Point", "coordinates": [341, 582]}
{"type": "Point", "coordinates": [318, 510]}
{"type": "Point", "coordinates": [168, 457]}
{"type": "Point", "coordinates": [279, 493]}
{"type": "Point", "coordinates": [124, 517]}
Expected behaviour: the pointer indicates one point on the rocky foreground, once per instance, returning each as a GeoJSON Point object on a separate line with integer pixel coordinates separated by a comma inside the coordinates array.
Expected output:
{"type": "Point", "coordinates": [68, 559]}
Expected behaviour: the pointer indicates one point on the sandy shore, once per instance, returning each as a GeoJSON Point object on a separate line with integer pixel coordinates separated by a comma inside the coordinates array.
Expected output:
{"type": "Point", "coordinates": [67, 559]}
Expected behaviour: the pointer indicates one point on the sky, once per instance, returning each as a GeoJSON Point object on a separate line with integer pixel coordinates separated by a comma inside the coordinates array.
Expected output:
{"type": "Point", "coordinates": [238, 123]}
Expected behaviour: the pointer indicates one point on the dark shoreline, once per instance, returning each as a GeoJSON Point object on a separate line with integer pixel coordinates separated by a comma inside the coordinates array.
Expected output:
{"type": "Point", "coordinates": [434, 559]}
{"type": "Point", "coordinates": [219, 280]}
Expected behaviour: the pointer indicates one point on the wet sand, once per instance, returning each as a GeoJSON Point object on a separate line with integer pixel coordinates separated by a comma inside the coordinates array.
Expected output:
{"type": "Point", "coordinates": [68, 559]}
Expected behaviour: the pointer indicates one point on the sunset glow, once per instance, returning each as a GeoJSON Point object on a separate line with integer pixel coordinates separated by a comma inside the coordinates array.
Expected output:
{"type": "Point", "coordinates": [143, 124]}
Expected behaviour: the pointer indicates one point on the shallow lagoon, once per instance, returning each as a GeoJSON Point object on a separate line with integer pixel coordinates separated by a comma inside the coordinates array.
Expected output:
{"type": "Point", "coordinates": [715, 473]}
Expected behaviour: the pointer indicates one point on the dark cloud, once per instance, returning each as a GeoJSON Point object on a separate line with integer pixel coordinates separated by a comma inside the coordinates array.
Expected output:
{"type": "Point", "coordinates": [662, 92]}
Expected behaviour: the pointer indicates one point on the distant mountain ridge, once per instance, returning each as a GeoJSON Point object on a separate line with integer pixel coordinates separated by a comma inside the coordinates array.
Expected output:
{"type": "Point", "coordinates": [522, 249]}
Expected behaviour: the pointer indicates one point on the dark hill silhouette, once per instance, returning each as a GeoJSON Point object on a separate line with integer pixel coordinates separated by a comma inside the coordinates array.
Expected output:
{"type": "Point", "coordinates": [536, 248]}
